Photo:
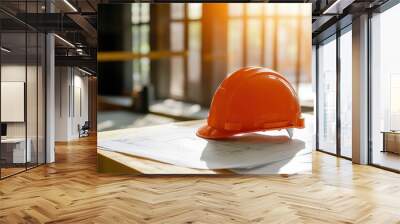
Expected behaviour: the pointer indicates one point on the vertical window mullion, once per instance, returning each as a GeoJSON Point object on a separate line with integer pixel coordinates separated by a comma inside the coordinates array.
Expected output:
{"type": "Point", "coordinates": [338, 74]}
{"type": "Point", "coordinates": [37, 90]}
{"type": "Point", "coordinates": [317, 97]}
{"type": "Point", "coordinates": [0, 94]}
{"type": "Point", "coordinates": [26, 86]}
{"type": "Point", "coordinates": [369, 80]}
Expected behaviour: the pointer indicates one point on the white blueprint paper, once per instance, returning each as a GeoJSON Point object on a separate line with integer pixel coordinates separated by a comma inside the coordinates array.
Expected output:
{"type": "Point", "coordinates": [178, 144]}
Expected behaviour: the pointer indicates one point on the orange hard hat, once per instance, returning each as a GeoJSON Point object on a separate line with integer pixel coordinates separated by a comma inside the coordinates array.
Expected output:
{"type": "Point", "coordinates": [252, 99]}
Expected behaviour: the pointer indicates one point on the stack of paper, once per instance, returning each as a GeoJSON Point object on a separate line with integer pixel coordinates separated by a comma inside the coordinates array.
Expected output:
{"type": "Point", "coordinates": [177, 144]}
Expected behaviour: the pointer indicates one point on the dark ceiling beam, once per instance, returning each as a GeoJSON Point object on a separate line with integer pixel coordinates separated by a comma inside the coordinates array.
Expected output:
{"type": "Point", "coordinates": [54, 22]}
{"type": "Point", "coordinates": [49, 22]}
{"type": "Point", "coordinates": [74, 13]}
{"type": "Point", "coordinates": [78, 61]}
{"type": "Point", "coordinates": [91, 5]}
{"type": "Point", "coordinates": [83, 23]}
{"type": "Point", "coordinates": [338, 6]}
{"type": "Point", "coordinates": [332, 29]}
{"type": "Point", "coordinates": [321, 22]}
{"type": "Point", "coordinates": [8, 15]}
{"type": "Point", "coordinates": [63, 7]}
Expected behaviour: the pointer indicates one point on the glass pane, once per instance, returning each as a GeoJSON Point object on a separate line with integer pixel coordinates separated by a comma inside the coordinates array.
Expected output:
{"type": "Point", "coordinates": [194, 61]}
{"type": "Point", "coordinates": [144, 39]}
{"type": "Point", "coordinates": [177, 63]}
{"type": "Point", "coordinates": [235, 49]}
{"type": "Point", "coordinates": [136, 38]}
{"type": "Point", "coordinates": [41, 100]}
{"type": "Point", "coordinates": [31, 98]}
{"type": "Point", "coordinates": [144, 12]}
{"type": "Point", "coordinates": [269, 36]}
{"type": "Point", "coordinates": [346, 94]}
{"type": "Point", "coordinates": [305, 89]}
{"type": "Point", "coordinates": [269, 9]}
{"type": "Point", "coordinates": [235, 9]}
{"type": "Point", "coordinates": [195, 10]}
{"type": "Point", "coordinates": [145, 70]}
{"type": "Point", "coordinates": [137, 79]}
{"type": "Point", "coordinates": [13, 85]}
{"type": "Point", "coordinates": [177, 10]}
{"type": "Point", "coordinates": [135, 13]}
{"type": "Point", "coordinates": [327, 97]}
{"type": "Point", "coordinates": [254, 42]}
{"type": "Point", "coordinates": [385, 85]}
{"type": "Point", "coordinates": [254, 9]}
{"type": "Point", "coordinates": [177, 36]}
{"type": "Point", "coordinates": [177, 77]}
{"type": "Point", "coordinates": [287, 56]}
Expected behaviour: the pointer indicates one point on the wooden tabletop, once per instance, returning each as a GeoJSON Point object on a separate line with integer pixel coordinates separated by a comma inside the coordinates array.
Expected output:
{"type": "Point", "coordinates": [116, 162]}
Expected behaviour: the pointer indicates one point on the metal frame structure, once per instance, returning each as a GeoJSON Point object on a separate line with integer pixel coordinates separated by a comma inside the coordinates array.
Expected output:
{"type": "Point", "coordinates": [27, 27]}
{"type": "Point", "coordinates": [340, 30]}
{"type": "Point", "coordinates": [340, 24]}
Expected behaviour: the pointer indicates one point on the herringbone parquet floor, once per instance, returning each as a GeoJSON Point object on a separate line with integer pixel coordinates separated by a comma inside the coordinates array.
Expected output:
{"type": "Point", "coordinates": [70, 191]}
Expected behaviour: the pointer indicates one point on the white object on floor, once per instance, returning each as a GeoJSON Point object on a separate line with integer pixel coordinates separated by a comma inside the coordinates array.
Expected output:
{"type": "Point", "coordinates": [178, 144]}
{"type": "Point", "coordinates": [18, 148]}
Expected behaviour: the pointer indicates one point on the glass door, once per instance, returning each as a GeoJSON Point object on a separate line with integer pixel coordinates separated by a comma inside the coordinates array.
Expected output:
{"type": "Point", "coordinates": [346, 92]}
{"type": "Point", "coordinates": [327, 96]}
{"type": "Point", "coordinates": [15, 149]}
{"type": "Point", "coordinates": [22, 78]}
{"type": "Point", "coordinates": [334, 94]}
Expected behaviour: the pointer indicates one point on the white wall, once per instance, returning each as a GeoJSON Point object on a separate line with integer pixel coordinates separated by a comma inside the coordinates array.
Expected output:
{"type": "Point", "coordinates": [62, 81]}
{"type": "Point", "coordinates": [33, 126]}
{"type": "Point", "coordinates": [71, 94]}
{"type": "Point", "coordinates": [12, 73]}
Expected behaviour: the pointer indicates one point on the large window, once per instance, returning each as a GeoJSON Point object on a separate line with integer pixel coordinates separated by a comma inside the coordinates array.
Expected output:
{"type": "Point", "coordinates": [256, 33]}
{"type": "Point", "coordinates": [184, 52]}
{"type": "Point", "coordinates": [334, 75]}
{"type": "Point", "coordinates": [385, 89]}
{"type": "Point", "coordinates": [190, 50]}
{"type": "Point", "coordinates": [327, 96]}
{"type": "Point", "coordinates": [185, 37]}
{"type": "Point", "coordinates": [140, 43]}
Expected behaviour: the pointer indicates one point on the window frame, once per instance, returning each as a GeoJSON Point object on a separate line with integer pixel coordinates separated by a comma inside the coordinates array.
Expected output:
{"type": "Point", "coordinates": [336, 36]}
{"type": "Point", "coordinates": [186, 22]}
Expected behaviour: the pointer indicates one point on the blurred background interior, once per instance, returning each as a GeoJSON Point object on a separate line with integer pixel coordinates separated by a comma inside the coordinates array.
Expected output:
{"type": "Point", "coordinates": [30, 60]}
{"type": "Point", "coordinates": [161, 63]}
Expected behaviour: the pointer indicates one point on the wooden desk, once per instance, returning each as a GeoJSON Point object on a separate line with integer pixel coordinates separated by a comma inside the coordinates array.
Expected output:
{"type": "Point", "coordinates": [391, 141]}
{"type": "Point", "coordinates": [13, 150]}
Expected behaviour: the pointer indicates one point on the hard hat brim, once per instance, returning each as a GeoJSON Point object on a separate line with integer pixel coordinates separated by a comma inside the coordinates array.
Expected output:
{"type": "Point", "coordinates": [209, 132]}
